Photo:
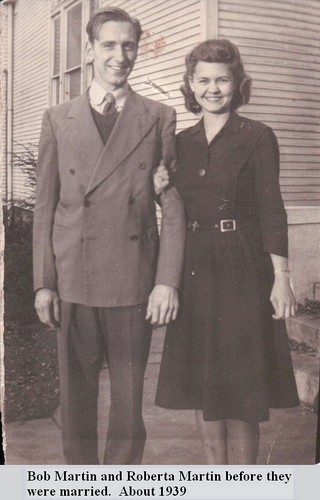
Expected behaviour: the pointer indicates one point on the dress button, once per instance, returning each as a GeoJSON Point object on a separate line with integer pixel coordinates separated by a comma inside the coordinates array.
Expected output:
{"type": "Point", "coordinates": [72, 171]}
{"type": "Point", "coordinates": [142, 165]}
{"type": "Point", "coordinates": [202, 172]}
{"type": "Point", "coordinates": [86, 202]}
{"type": "Point", "coordinates": [134, 237]}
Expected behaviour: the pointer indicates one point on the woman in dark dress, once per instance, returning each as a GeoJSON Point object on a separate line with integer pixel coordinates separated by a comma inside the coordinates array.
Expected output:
{"type": "Point", "coordinates": [227, 354]}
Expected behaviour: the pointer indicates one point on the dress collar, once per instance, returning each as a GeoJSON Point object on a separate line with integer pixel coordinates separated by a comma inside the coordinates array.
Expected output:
{"type": "Point", "coordinates": [233, 124]}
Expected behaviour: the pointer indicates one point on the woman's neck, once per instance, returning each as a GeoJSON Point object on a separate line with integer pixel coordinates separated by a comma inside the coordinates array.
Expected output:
{"type": "Point", "coordinates": [213, 123]}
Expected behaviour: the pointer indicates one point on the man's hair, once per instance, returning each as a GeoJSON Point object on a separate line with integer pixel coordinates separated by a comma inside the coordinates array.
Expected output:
{"type": "Point", "coordinates": [106, 14]}
{"type": "Point", "coordinates": [216, 51]}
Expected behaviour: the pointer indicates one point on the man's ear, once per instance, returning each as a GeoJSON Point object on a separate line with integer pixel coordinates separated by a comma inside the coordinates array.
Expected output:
{"type": "Point", "coordinates": [89, 51]}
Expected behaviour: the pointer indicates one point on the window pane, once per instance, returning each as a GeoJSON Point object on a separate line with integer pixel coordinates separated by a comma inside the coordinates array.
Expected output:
{"type": "Point", "coordinates": [55, 91]}
{"type": "Point", "coordinates": [73, 83]}
{"type": "Point", "coordinates": [74, 24]}
{"type": "Point", "coordinates": [57, 45]}
{"type": "Point", "coordinates": [94, 5]}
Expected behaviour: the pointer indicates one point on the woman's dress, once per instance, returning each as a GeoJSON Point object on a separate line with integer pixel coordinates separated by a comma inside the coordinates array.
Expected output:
{"type": "Point", "coordinates": [225, 354]}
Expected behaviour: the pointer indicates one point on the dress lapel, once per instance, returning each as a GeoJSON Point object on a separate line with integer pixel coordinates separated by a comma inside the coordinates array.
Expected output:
{"type": "Point", "coordinates": [133, 124]}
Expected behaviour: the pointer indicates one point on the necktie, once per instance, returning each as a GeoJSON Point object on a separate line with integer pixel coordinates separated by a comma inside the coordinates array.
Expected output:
{"type": "Point", "coordinates": [109, 107]}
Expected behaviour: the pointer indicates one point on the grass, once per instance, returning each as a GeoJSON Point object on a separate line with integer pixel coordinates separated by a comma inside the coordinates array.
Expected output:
{"type": "Point", "coordinates": [30, 360]}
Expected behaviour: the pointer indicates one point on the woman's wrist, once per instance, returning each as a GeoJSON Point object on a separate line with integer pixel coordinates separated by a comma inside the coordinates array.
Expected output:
{"type": "Point", "coordinates": [282, 270]}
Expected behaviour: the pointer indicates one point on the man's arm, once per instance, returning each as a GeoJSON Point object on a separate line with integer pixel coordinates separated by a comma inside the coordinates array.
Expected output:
{"type": "Point", "coordinates": [163, 301]}
{"type": "Point", "coordinates": [47, 193]}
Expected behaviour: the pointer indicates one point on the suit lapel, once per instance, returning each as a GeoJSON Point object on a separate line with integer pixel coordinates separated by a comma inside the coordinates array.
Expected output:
{"type": "Point", "coordinates": [80, 129]}
{"type": "Point", "coordinates": [132, 126]}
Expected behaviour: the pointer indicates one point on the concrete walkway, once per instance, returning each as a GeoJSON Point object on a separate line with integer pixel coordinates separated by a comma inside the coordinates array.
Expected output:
{"type": "Point", "coordinates": [288, 438]}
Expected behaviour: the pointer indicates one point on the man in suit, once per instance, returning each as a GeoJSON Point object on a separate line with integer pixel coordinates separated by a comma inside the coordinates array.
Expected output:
{"type": "Point", "coordinates": [102, 276]}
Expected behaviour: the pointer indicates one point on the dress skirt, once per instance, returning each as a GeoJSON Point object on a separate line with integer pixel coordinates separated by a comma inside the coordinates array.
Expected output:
{"type": "Point", "coordinates": [225, 355]}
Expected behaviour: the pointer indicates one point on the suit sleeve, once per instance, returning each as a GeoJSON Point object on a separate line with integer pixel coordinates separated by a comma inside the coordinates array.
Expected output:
{"type": "Point", "coordinates": [173, 222]}
{"type": "Point", "coordinates": [47, 195]}
{"type": "Point", "coordinates": [272, 214]}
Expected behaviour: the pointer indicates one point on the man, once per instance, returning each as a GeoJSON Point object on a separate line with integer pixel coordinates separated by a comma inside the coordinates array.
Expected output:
{"type": "Point", "coordinates": [96, 247]}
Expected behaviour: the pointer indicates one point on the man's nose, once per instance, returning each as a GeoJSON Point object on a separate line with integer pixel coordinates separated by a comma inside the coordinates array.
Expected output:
{"type": "Point", "coordinates": [119, 54]}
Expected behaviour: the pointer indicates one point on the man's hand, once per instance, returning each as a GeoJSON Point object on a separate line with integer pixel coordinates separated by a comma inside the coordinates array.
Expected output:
{"type": "Point", "coordinates": [162, 305]}
{"type": "Point", "coordinates": [47, 304]}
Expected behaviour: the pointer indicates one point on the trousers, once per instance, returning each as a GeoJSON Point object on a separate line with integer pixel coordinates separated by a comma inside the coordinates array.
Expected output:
{"type": "Point", "coordinates": [87, 336]}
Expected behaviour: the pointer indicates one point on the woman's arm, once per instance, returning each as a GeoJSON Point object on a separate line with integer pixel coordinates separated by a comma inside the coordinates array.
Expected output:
{"type": "Point", "coordinates": [282, 297]}
{"type": "Point", "coordinates": [273, 222]}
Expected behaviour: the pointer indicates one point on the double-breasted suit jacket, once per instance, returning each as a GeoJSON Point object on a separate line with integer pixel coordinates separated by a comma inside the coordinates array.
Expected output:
{"type": "Point", "coordinates": [95, 230]}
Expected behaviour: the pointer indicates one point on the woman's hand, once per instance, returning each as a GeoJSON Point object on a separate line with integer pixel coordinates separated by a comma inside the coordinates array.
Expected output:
{"type": "Point", "coordinates": [282, 297]}
{"type": "Point", "coordinates": [160, 178]}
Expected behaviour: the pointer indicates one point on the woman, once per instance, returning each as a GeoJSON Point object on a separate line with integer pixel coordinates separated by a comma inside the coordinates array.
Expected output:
{"type": "Point", "coordinates": [225, 356]}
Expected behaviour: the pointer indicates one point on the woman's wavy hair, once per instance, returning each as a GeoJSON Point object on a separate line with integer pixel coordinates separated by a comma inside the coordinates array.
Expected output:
{"type": "Point", "coordinates": [219, 51]}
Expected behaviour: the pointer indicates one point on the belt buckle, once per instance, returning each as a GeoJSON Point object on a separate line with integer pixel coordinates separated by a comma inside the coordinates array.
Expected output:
{"type": "Point", "coordinates": [194, 225]}
{"type": "Point", "coordinates": [227, 225]}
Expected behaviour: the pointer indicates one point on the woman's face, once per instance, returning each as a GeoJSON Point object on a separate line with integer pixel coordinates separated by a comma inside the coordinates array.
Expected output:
{"type": "Point", "coordinates": [213, 86]}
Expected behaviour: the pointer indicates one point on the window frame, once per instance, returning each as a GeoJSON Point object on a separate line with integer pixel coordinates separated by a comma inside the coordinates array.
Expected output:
{"type": "Point", "coordinates": [59, 84]}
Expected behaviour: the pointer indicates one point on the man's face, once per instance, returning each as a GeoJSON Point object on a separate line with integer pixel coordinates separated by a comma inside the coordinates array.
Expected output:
{"type": "Point", "coordinates": [114, 54]}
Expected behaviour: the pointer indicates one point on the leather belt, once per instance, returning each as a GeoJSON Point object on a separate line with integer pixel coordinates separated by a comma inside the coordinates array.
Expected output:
{"type": "Point", "coordinates": [224, 225]}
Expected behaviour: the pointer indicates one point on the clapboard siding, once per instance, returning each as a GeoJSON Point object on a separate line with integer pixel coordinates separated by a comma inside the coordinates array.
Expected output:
{"type": "Point", "coordinates": [279, 43]}
{"type": "Point", "coordinates": [31, 77]}
{"type": "Point", "coordinates": [3, 97]}
{"type": "Point", "coordinates": [177, 23]}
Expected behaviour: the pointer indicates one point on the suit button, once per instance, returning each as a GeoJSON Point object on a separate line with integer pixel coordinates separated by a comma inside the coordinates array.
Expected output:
{"type": "Point", "coordinates": [202, 172]}
{"type": "Point", "coordinates": [132, 201]}
{"type": "Point", "coordinates": [72, 171]}
{"type": "Point", "coordinates": [142, 165]}
{"type": "Point", "coordinates": [134, 237]}
{"type": "Point", "coordinates": [86, 202]}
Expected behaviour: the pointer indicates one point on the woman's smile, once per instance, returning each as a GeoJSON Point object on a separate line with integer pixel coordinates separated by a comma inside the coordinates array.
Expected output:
{"type": "Point", "coordinates": [213, 86]}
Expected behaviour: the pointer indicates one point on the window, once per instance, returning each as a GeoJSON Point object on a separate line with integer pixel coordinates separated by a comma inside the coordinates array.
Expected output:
{"type": "Point", "coordinates": [70, 73]}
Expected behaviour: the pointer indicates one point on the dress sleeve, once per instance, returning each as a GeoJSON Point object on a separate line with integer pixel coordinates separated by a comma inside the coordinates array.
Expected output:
{"type": "Point", "coordinates": [272, 214]}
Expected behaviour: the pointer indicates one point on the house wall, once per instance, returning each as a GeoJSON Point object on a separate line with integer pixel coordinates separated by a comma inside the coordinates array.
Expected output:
{"type": "Point", "coordinates": [279, 43]}
{"type": "Point", "coordinates": [3, 94]}
{"type": "Point", "coordinates": [31, 78]}
{"type": "Point", "coordinates": [170, 30]}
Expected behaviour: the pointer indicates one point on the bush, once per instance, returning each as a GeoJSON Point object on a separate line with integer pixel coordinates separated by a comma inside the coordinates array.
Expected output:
{"type": "Point", "coordinates": [31, 367]}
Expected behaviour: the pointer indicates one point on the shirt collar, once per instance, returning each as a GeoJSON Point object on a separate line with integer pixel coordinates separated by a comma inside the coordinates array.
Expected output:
{"type": "Point", "coordinates": [97, 94]}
